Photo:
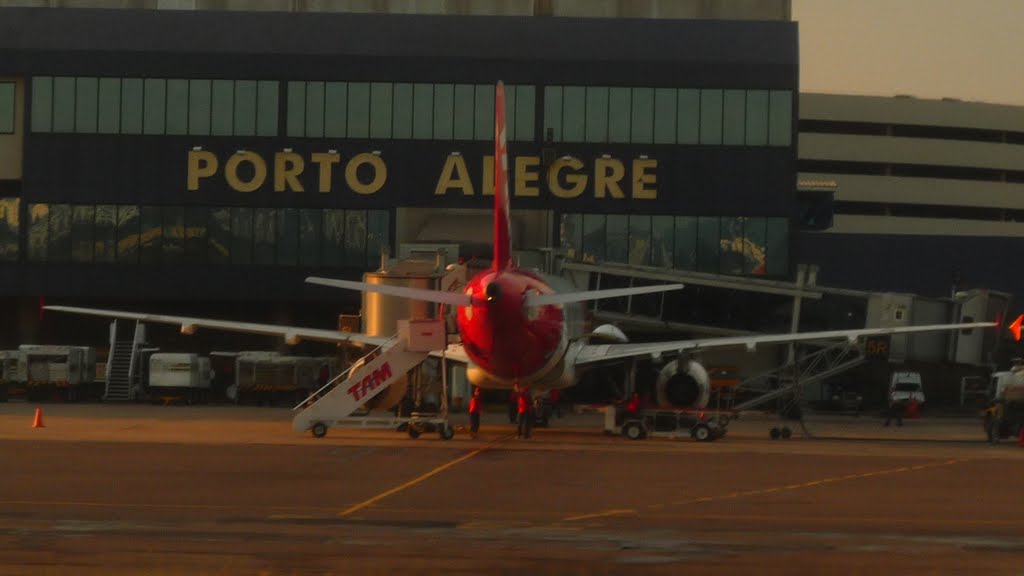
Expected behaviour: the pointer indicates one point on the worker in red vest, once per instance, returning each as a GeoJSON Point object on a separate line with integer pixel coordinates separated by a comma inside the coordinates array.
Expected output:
{"type": "Point", "coordinates": [524, 414]}
{"type": "Point", "coordinates": [633, 408]}
{"type": "Point", "coordinates": [474, 413]}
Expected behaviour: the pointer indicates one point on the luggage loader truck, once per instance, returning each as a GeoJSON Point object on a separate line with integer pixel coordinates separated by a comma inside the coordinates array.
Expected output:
{"type": "Point", "coordinates": [1004, 417]}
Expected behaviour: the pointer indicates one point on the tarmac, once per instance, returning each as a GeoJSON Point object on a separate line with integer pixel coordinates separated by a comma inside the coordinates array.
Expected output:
{"type": "Point", "coordinates": [140, 489]}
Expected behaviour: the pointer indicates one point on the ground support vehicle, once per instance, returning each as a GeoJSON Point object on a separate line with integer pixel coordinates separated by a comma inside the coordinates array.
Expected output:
{"type": "Point", "coordinates": [701, 425]}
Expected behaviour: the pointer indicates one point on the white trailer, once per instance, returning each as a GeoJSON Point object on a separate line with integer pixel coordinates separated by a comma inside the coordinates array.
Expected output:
{"type": "Point", "coordinates": [179, 375]}
{"type": "Point", "coordinates": [45, 368]}
{"type": "Point", "coordinates": [262, 376]}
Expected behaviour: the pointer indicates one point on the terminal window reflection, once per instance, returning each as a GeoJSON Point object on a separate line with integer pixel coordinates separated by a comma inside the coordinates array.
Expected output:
{"type": "Point", "coordinates": [9, 228]}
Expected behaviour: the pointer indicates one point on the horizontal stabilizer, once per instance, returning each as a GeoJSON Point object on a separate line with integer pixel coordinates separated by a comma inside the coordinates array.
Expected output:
{"type": "Point", "coordinates": [439, 296]}
{"type": "Point", "coordinates": [566, 297]}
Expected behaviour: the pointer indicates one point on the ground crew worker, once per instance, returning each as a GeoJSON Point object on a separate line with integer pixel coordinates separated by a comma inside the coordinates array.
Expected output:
{"type": "Point", "coordinates": [474, 413]}
{"type": "Point", "coordinates": [513, 404]}
{"type": "Point", "coordinates": [633, 408]}
{"type": "Point", "coordinates": [524, 414]}
{"type": "Point", "coordinates": [896, 410]}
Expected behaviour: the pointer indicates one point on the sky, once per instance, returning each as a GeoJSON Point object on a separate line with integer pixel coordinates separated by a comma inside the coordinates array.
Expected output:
{"type": "Point", "coordinates": [967, 49]}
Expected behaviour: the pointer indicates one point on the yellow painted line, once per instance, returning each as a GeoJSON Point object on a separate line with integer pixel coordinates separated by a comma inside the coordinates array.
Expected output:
{"type": "Point", "coordinates": [606, 513]}
{"type": "Point", "coordinates": [420, 478]}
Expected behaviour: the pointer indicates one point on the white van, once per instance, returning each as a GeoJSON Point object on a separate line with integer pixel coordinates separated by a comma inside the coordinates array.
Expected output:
{"type": "Point", "coordinates": [906, 385]}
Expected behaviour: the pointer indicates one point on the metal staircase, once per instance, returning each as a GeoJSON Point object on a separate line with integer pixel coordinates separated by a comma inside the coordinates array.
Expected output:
{"type": "Point", "coordinates": [122, 362]}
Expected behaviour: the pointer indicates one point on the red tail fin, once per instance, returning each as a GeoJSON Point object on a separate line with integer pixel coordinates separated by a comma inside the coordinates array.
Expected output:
{"type": "Point", "coordinates": [502, 248]}
{"type": "Point", "coordinates": [1015, 327]}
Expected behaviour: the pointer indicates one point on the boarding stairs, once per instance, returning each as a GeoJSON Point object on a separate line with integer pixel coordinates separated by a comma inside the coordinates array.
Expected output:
{"type": "Point", "coordinates": [123, 360]}
{"type": "Point", "coordinates": [335, 402]}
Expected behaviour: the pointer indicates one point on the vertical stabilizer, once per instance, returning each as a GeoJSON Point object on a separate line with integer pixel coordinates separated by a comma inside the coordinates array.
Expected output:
{"type": "Point", "coordinates": [502, 248]}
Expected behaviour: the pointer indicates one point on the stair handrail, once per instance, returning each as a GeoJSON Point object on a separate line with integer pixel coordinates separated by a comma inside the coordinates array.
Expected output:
{"type": "Point", "coordinates": [344, 373]}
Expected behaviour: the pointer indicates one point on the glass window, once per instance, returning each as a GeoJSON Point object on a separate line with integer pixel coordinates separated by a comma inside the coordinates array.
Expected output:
{"type": "Point", "coordinates": [731, 240]}
{"type": "Point", "coordinates": [7, 107]}
{"type": "Point", "coordinates": [59, 249]}
{"type": "Point", "coordinates": [42, 103]}
{"type": "Point", "coordinates": [662, 241]}
{"type": "Point", "coordinates": [708, 244]}
{"type": "Point", "coordinates": [358, 110]}
{"type": "Point", "coordinates": [685, 254]}
{"type": "Point", "coordinates": [335, 109]}
{"type": "Point", "coordinates": [310, 232]}
{"type": "Point", "coordinates": [710, 116]}
{"type": "Point", "coordinates": [128, 234]}
{"type": "Point", "coordinates": [595, 237]}
{"type": "Point", "coordinates": [570, 234]}
{"type": "Point", "coordinates": [734, 122]}
{"type": "Point", "coordinates": [639, 239]}
{"type": "Point", "coordinates": [154, 111]}
{"type": "Point", "coordinates": [378, 233]}
{"type": "Point", "coordinates": [196, 218]}
{"type": "Point", "coordinates": [355, 238]}
{"type": "Point", "coordinates": [264, 232]}
{"type": "Point", "coordinates": [525, 106]}
{"type": "Point", "coordinates": [177, 107]}
{"type": "Point", "coordinates": [333, 251]}
{"type": "Point", "coordinates": [777, 246]}
{"type": "Point", "coordinates": [617, 238]}
{"type": "Point", "coordinates": [381, 107]}
{"type": "Point", "coordinates": [597, 114]}
{"type": "Point", "coordinates": [423, 112]}
{"type": "Point", "coordinates": [553, 113]}
{"type": "Point", "coordinates": [218, 236]}
{"type": "Point", "coordinates": [444, 111]}
{"type": "Point", "coordinates": [150, 234]}
{"type": "Point", "coordinates": [38, 231]}
{"type": "Point", "coordinates": [754, 249]}
{"type": "Point", "coordinates": [665, 116]}
{"type": "Point", "coordinates": [464, 95]}
{"type": "Point", "coordinates": [131, 106]}
{"type": "Point", "coordinates": [109, 106]}
{"type": "Point", "coordinates": [244, 107]}
{"type": "Point", "coordinates": [199, 93]}
{"type": "Point", "coordinates": [241, 235]}
{"type": "Point", "coordinates": [643, 116]}
{"type": "Point", "coordinates": [63, 104]}
{"type": "Point", "coordinates": [510, 113]}
{"type": "Point", "coordinates": [266, 101]}
{"type": "Point", "coordinates": [105, 234]}
{"type": "Point", "coordinates": [10, 217]}
{"type": "Point", "coordinates": [82, 219]}
{"type": "Point", "coordinates": [296, 109]}
{"type": "Point", "coordinates": [484, 113]}
{"type": "Point", "coordinates": [174, 234]}
{"type": "Point", "coordinates": [780, 117]}
{"type": "Point", "coordinates": [402, 124]}
{"type": "Point", "coordinates": [619, 112]}
{"type": "Point", "coordinates": [314, 110]}
{"type": "Point", "coordinates": [688, 117]}
{"type": "Point", "coordinates": [574, 113]}
{"type": "Point", "coordinates": [222, 108]}
{"type": "Point", "coordinates": [86, 102]}
{"type": "Point", "coordinates": [757, 117]}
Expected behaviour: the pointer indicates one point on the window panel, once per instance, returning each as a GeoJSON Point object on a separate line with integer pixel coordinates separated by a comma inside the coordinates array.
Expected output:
{"type": "Point", "coordinates": [63, 104]}
{"type": "Point", "coordinates": [155, 106]}
{"type": "Point", "coordinates": [780, 117]}
{"type": "Point", "coordinates": [241, 235]}
{"type": "Point", "coordinates": [264, 232]}
{"type": "Point", "coordinates": [131, 105]}
{"type": "Point", "coordinates": [296, 109]}
{"type": "Point", "coordinates": [223, 108]}
{"type": "Point", "coordinates": [335, 109]}
{"type": "Point", "coordinates": [333, 251]}
{"type": "Point", "coordinates": [619, 112]}
{"type": "Point", "coordinates": [665, 116]}
{"type": "Point", "coordinates": [199, 92]}
{"type": "Point", "coordinates": [595, 237]}
{"type": "Point", "coordinates": [150, 234]}
{"type": "Point", "coordinates": [82, 221]}
{"type": "Point", "coordinates": [617, 238]}
{"type": "Point", "coordinates": [177, 107]}
{"type": "Point", "coordinates": [402, 125]}
{"type": "Point", "coordinates": [423, 112]}
{"type": "Point", "coordinates": [510, 113]}
{"type": "Point", "coordinates": [59, 248]}
{"type": "Point", "coordinates": [777, 246]}
{"type": "Point", "coordinates": [105, 234]}
{"type": "Point", "coordinates": [553, 113]}
{"type": "Point", "coordinates": [381, 107]}
{"type": "Point", "coordinates": [708, 244]}
{"type": "Point", "coordinates": [266, 101]}
{"type": "Point", "coordinates": [685, 254]}
{"type": "Point", "coordinates": [597, 114]}
{"type": "Point", "coordinates": [244, 107]}
{"type": "Point", "coordinates": [639, 240]}
{"type": "Point", "coordinates": [710, 116]}
{"type": "Point", "coordinates": [358, 110]}
{"type": "Point", "coordinates": [314, 110]}
{"type": "Point", "coordinates": [570, 234]}
{"type": "Point", "coordinates": [38, 231]}
{"type": "Point", "coordinates": [463, 112]}
{"type": "Point", "coordinates": [10, 217]}
{"type": "Point", "coordinates": [86, 103]}
{"type": "Point", "coordinates": [525, 112]}
{"type": "Point", "coordinates": [173, 239]}
{"type": "Point", "coordinates": [642, 118]}
{"type": "Point", "coordinates": [310, 232]}
{"type": "Point", "coordinates": [732, 240]}
{"type": "Point", "coordinates": [196, 218]}
{"type": "Point", "coordinates": [7, 106]}
{"type": "Point", "coordinates": [734, 122]}
{"type": "Point", "coordinates": [378, 234]}
{"type": "Point", "coordinates": [662, 239]}
{"type": "Point", "coordinates": [574, 108]}
{"type": "Point", "coordinates": [355, 238]}
{"type": "Point", "coordinates": [484, 113]}
{"type": "Point", "coordinates": [128, 234]}
{"type": "Point", "coordinates": [757, 118]}
{"type": "Point", "coordinates": [755, 246]}
{"type": "Point", "coordinates": [444, 111]}
{"type": "Point", "coordinates": [42, 103]}
{"type": "Point", "coordinates": [688, 117]}
{"type": "Point", "coordinates": [218, 236]}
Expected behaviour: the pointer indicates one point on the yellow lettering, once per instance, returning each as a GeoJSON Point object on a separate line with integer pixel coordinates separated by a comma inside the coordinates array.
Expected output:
{"type": "Point", "coordinates": [523, 163]}
{"type": "Point", "coordinates": [454, 175]}
{"type": "Point", "coordinates": [603, 180]}
{"type": "Point", "coordinates": [641, 177]}
{"type": "Point", "coordinates": [326, 163]}
{"type": "Point", "coordinates": [201, 164]}
{"type": "Point", "coordinates": [579, 181]}
{"type": "Point", "coordinates": [487, 186]}
{"type": "Point", "coordinates": [380, 173]}
{"type": "Point", "coordinates": [287, 167]}
{"type": "Point", "coordinates": [259, 169]}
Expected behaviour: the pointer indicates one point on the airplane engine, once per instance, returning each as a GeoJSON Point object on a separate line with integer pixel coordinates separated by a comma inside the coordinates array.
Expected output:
{"type": "Point", "coordinates": [683, 383]}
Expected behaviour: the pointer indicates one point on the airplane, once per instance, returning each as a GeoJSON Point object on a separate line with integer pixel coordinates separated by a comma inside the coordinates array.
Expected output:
{"type": "Point", "coordinates": [513, 326]}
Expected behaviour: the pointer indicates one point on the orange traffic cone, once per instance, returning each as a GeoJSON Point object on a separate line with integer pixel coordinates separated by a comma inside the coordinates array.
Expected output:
{"type": "Point", "coordinates": [38, 422]}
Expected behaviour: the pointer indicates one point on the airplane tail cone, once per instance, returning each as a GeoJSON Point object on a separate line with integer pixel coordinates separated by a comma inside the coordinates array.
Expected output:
{"type": "Point", "coordinates": [38, 421]}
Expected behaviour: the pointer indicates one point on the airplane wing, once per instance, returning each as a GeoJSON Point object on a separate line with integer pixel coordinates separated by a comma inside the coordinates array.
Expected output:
{"type": "Point", "coordinates": [291, 334]}
{"type": "Point", "coordinates": [602, 352]}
